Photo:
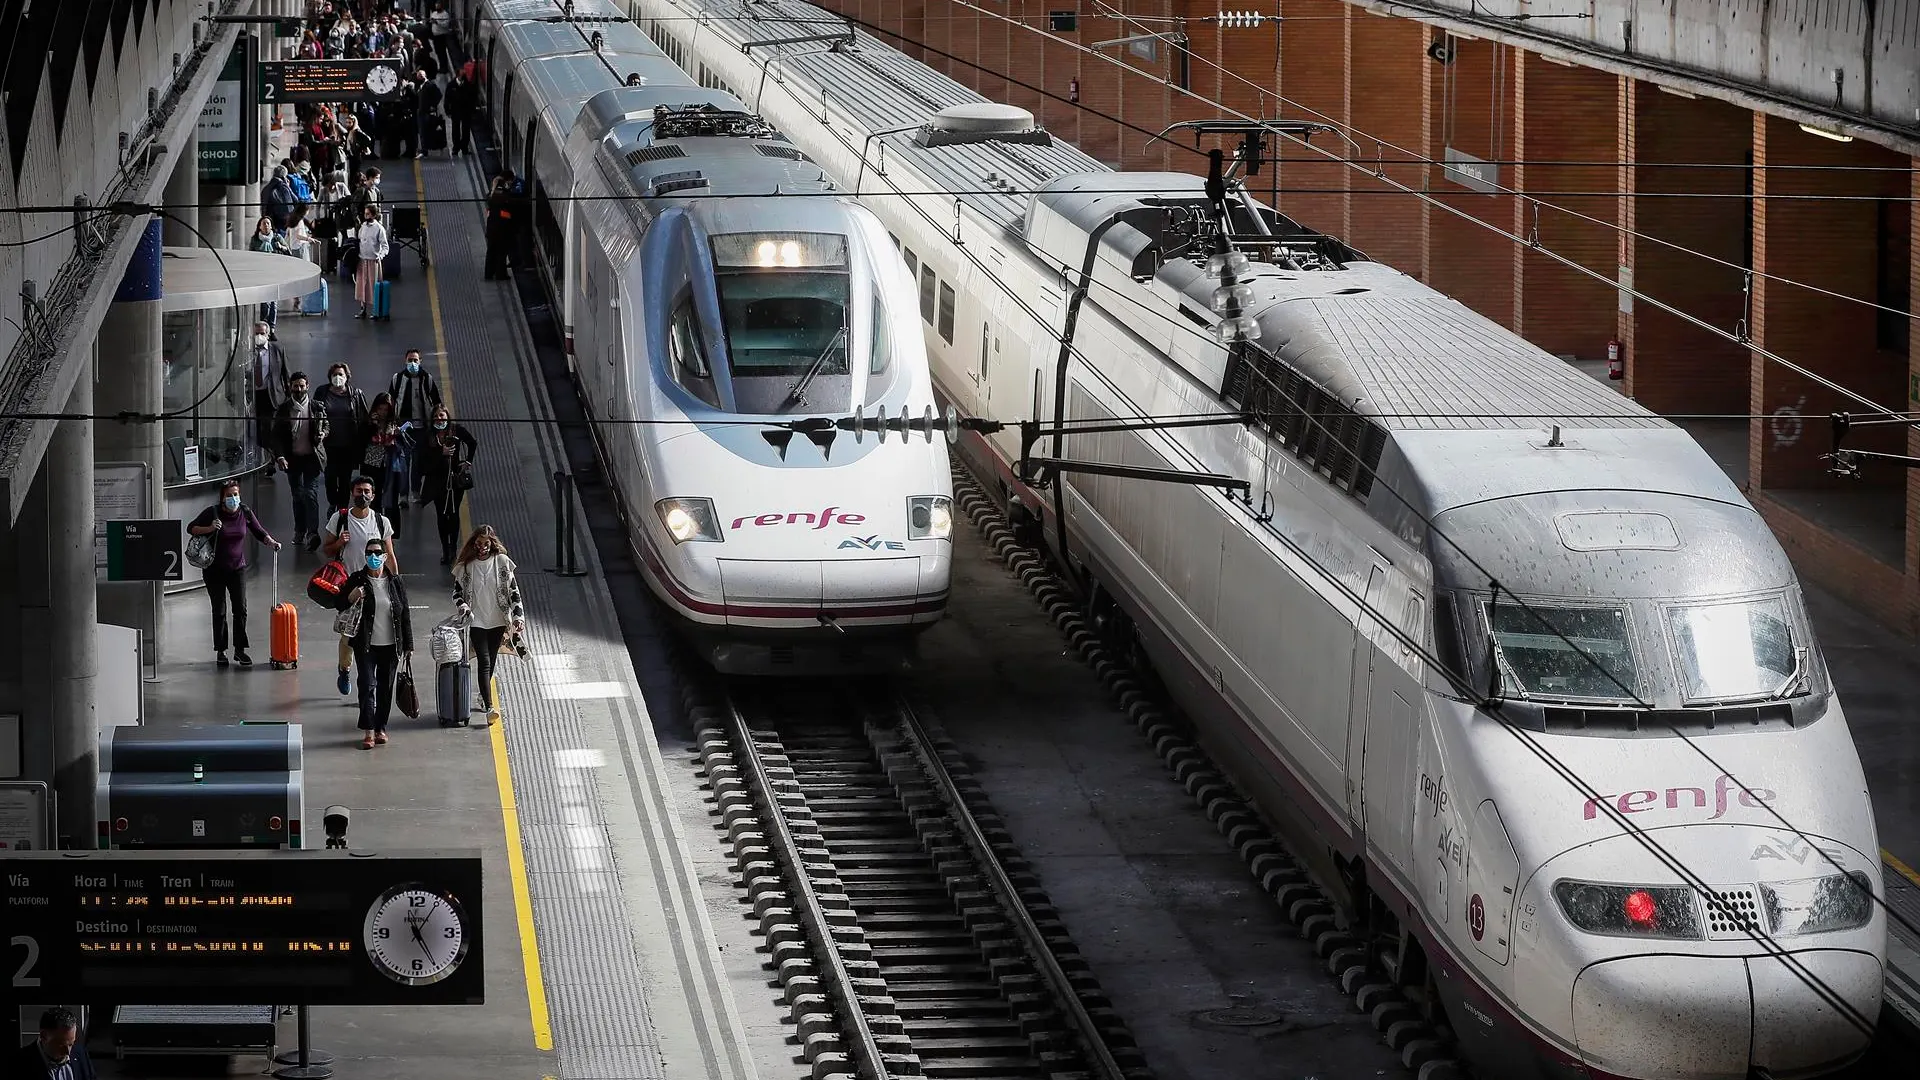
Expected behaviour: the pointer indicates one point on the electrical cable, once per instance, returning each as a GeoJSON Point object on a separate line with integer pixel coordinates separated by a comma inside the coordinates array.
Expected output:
{"type": "Point", "coordinates": [1348, 131]}
{"type": "Point", "coordinates": [1627, 826]}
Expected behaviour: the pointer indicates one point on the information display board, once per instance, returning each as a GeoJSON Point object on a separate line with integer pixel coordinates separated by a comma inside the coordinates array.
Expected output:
{"type": "Point", "coordinates": [145, 551]}
{"type": "Point", "coordinates": [284, 82]}
{"type": "Point", "coordinates": [242, 927]}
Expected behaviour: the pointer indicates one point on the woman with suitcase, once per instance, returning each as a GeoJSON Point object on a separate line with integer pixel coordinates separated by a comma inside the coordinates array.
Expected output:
{"type": "Point", "coordinates": [372, 242]}
{"type": "Point", "coordinates": [487, 595]}
{"type": "Point", "coordinates": [228, 523]}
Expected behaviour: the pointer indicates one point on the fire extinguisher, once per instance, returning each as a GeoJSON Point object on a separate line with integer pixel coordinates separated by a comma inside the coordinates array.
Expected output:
{"type": "Point", "coordinates": [1073, 91]}
{"type": "Point", "coordinates": [1616, 362]}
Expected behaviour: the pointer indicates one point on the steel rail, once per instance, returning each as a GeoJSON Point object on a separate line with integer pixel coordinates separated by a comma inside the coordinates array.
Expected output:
{"type": "Point", "coordinates": [865, 1049]}
{"type": "Point", "coordinates": [1042, 954]}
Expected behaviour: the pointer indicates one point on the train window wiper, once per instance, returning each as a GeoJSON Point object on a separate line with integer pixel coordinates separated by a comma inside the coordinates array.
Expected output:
{"type": "Point", "coordinates": [797, 395]}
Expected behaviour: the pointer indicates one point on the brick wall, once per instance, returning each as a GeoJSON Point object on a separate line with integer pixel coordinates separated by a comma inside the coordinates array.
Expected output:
{"type": "Point", "coordinates": [1473, 109]}
{"type": "Point", "coordinates": [1565, 114]}
{"type": "Point", "coordinates": [1387, 102]}
{"type": "Point", "coordinates": [1672, 365]}
{"type": "Point", "coordinates": [1313, 86]}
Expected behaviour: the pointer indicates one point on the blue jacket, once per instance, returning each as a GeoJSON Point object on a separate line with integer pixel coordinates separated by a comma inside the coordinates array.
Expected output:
{"type": "Point", "coordinates": [27, 1064]}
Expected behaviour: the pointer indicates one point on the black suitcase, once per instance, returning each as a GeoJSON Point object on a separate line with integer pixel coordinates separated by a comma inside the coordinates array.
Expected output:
{"type": "Point", "coordinates": [390, 266]}
{"type": "Point", "coordinates": [436, 135]}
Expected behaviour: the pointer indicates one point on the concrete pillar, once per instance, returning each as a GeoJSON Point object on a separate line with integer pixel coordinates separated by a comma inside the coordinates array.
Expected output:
{"type": "Point", "coordinates": [1672, 365]}
{"type": "Point", "coordinates": [243, 213]}
{"type": "Point", "coordinates": [68, 467]}
{"type": "Point", "coordinates": [1565, 113]}
{"type": "Point", "coordinates": [131, 376]}
{"type": "Point", "coordinates": [213, 216]}
{"type": "Point", "coordinates": [182, 196]}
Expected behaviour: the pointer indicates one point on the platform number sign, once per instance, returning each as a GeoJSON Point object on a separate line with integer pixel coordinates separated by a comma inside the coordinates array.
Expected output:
{"type": "Point", "coordinates": [145, 551]}
{"type": "Point", "coordinates": [1477, 917]}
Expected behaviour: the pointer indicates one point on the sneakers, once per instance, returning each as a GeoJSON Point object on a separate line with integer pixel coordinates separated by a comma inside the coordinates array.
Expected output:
{"type": "Point", "coordinates": [342, 683]}
{"type": "Point", "coordinates": [220, 659]}
{"type": "Point", "coordinates": [362, 315]}
{"type": "Point", "coordinates": [240, 657]}
{"type": "Point", "coordinates": [493, 717]}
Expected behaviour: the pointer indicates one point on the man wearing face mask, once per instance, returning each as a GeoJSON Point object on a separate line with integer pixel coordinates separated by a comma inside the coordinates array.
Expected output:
{"type": "Point", "coordinates": [58, 1054]}
{"type": "Point", "coordinates": [300, 450]}
{"type": "Point", "coordinates": [416, 394]}
{"type": "Point", "coordinates": [346, 411]}
{"type": "Point", "coordinates": [347, 536]}
{"type": "Point", "coordinates": [267, 377]}
{"type": "Point", "coordinates": [229, 522]}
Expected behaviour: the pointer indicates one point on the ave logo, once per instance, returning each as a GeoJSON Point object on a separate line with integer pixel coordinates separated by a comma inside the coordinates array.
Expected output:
{"type": "Point", "coordinates": [872, 543]}
{"type": "Point", "coordinates": [1796, 849]}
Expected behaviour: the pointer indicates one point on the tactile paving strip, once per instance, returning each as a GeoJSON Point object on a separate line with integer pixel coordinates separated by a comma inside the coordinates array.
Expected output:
{"type": "Point", "coordinates": [603, 1028]}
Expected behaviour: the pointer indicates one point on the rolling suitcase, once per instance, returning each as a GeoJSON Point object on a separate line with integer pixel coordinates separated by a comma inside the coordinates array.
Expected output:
{"type": "Point", "coordinates": [391, 266]}
{"type": "Point", "coordinates": [383, 300]}
{"type": "Point", "coordinates": [315, 302]}
{"type": "Point", "coordinates": [453, 689]}
{"type": "Point", "coordinates": [283, 644]}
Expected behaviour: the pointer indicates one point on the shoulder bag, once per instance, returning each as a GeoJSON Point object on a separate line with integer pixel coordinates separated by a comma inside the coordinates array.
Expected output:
{"type": "Point", "coordinates": [404, 693]}
{"type": "Point", "coordinates": [200, 550]}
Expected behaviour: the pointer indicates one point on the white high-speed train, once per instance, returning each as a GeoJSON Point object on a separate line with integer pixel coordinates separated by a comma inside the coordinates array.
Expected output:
{"type": "Point", "coordinates": [1492, 773]}
{"type": "Point", "coordinates": [717, 294]}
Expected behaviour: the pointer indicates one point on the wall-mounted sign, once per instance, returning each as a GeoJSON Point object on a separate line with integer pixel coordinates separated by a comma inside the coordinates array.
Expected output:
{"type": "Point", "coordinates": [122, 491]}
{"type": "Point", "coordinates": [229, 141]}
{"type": "Point", "coordinates": [289, 81]}
{"type": "Point", "coordinates": [205, 927]}
{"type": "Point", "coordinates": [144, 550]}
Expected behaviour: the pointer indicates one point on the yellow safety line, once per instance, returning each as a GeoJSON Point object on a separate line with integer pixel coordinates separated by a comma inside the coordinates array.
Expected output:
{"type": "Point", "coordinates": [497, 737]}
{"type": "Point", "coordinates": [1905, 870]}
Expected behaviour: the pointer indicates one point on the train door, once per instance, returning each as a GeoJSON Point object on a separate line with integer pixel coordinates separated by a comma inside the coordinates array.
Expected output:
{"type": "Point", "coordinates": [1383, 729]}
{"type": "Point", "coordinates": [1493, 876]}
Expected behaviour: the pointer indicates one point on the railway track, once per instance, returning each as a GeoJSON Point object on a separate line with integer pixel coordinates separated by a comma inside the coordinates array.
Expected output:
{"type": "Point", "coordinates": [909, 937]}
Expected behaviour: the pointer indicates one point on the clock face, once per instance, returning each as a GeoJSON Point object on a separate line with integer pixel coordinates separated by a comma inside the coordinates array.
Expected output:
{"type": "Point", "coordinates": [382, 79]}
{"type": "Point", "coordinates": [416, 935]}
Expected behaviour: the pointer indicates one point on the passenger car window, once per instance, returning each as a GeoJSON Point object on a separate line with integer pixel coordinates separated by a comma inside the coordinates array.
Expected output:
{"type": "Point", "coordinates": [946, 313]}
{"type": "Point", "coordinates": [927, 280]}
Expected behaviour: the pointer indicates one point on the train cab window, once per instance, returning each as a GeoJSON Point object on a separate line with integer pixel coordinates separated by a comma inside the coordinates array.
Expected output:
{"type": "Point", "coordinates": [1565, 652]}
{"type": "Point", "coordinates": [784, 305]}
{"type": "Point", "coordinates": [946, 313]}
{"type": "Point", "coordinates": [1737, 651]}
{"type": "Point", "coordinates": [927, 282]}
{"type": "Point", "coordinates": [689, 355]}
{"type": "Point", "coordinates": [880, 369]}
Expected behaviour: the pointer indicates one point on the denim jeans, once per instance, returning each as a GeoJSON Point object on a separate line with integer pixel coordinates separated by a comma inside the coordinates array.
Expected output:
{"type": "Point", "coordinates": [375, 667]}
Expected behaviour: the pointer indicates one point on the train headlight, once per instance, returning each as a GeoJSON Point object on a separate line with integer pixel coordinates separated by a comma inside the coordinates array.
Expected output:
{"type": "Point", "coordinates": [1630, 910]}
{"type": "Point", "coordinates": [929, 517]}
{"type": "Point", "coordinates": [1818, 905]}
{"type": "Point", "coordinates": [689, 519]}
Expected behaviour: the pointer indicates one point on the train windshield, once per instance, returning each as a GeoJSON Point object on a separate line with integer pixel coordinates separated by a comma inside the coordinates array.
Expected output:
{"type": "Point", "coordinates": [1560, 651]}
{"type": "Point", "coordinates": [785, 305]}
{"type": "Point", "coordinates": [1737, 650]}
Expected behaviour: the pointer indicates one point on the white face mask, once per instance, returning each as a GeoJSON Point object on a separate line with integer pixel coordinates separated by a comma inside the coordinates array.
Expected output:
{"type": "Point", "coordinates": [339, 382]}
{"type": "Point", "coordinates": [259, 340]}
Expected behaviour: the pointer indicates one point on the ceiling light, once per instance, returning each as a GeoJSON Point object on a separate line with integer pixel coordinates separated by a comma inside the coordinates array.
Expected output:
{"type": "Point", "coordinates": [1825, 134]}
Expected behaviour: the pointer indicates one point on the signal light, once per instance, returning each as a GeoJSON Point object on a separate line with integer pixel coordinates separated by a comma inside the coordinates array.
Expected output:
{"type": "Point", "coordinates": [1241, 20]}
{"type": "Point", "coordinates": [1640, 908]}
{"type": "Point", "coordinates": [119, 824]}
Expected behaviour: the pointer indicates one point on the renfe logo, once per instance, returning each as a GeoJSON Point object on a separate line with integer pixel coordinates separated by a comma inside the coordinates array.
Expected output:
{"type": "Point", "coordinates": [832, 515]}
{"type": "Point", "coordinates": [1640, 802]}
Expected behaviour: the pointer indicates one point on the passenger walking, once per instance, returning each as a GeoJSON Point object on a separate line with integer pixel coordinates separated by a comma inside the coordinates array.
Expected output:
{"type": "Point", "coordinates": [440, 25]}
{"type": "Point", "coordinates": [276, 199]}
{"type": "Point", "coordinates": [346, 411]}
{"type": "Point", "coordinates": [376, 609]}
{"type": "Point", "coordinates": [379, 441]}
{"type": "Point", "coordinates": [487, 593]}
{"type": "Point", "coordinates": [300, 450]}
{"type": "Point", "coordinates": [445, 462]}
{"type": "Point", "coordinates": [427, 112]}
{"type": "Point", "coordinates": [267, 378]}
{"type": "Point", "coordinates": [416, 394]}
{"type": "Point", "coordinates": [372, 237]}
{"type": "Point", "coordinates": [461, 100]}
{"type": "Point", "coordinates": [348, 534]}
{"type": "Point", "coordinates": [229, 522]}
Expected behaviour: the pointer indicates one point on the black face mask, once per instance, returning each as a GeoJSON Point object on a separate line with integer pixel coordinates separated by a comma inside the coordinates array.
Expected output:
{"type": "Point", "coordinates": [362, 501]}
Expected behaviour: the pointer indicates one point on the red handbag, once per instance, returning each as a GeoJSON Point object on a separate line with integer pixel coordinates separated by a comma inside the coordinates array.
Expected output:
{"type": "Point", "coordinates": [327, 583]}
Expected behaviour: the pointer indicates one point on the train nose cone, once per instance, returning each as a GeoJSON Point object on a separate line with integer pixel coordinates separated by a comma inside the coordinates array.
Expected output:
{"type": "Point", "coordinates": [1728, 1013]}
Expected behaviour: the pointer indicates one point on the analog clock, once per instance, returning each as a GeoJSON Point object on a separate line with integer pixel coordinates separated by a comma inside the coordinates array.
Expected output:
{"type": "Point", "coordinates": [381, 80]}
{"type": "Point", "coordinates": [416, 935]}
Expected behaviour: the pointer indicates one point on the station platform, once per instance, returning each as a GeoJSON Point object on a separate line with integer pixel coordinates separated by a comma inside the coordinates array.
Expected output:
{"type": "Point", "coordinates": [600, 960]}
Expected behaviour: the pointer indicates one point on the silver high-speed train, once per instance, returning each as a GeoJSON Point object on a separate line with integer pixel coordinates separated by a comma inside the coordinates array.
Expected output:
{"type": "Point", "coordinates": [1452, 636]}
{"type": "Point", "coordinates": [715, 290]}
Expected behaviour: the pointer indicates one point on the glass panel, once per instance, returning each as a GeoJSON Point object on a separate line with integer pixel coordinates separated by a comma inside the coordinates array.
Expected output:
{"type": "Point", "coordinates": [206, 380]}
{"type": "Point", "coordinates": [1541, 647]}
{"type": "Point", "coordinates": [780, 323]}
{"type": "Point", "coordinates": [946, 313]}
{"type": "Point", "coordinates": [1728, 651]}
{"type": "Point", "coordinates": [927, 280]}
{"type": "Point", "coordinates": [881, 353]}
{"type": "Point", "coordinates": [689, 356]}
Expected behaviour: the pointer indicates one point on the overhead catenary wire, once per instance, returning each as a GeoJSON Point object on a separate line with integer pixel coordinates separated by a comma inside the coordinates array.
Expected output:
{"type": "Point", "coordinates": [1627, 826]}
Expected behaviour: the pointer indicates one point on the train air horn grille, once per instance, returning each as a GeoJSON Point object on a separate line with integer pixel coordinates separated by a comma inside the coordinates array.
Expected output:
{"type": "Point", "coordinates": [1732, 912]}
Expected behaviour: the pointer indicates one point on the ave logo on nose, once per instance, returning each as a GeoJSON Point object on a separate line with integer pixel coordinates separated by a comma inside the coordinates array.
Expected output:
{"type": "Point", "coordinates": [872, 543]}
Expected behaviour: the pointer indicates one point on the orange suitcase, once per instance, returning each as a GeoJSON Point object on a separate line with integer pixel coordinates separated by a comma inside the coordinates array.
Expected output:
{"type": "Point", "coordinates": [283, 646]}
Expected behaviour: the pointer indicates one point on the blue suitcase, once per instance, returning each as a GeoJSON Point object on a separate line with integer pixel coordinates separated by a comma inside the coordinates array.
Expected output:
{"type": "Point", "coordinates": [315, 302]}
{"type": "Point", "coordinates": [383, 300]}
